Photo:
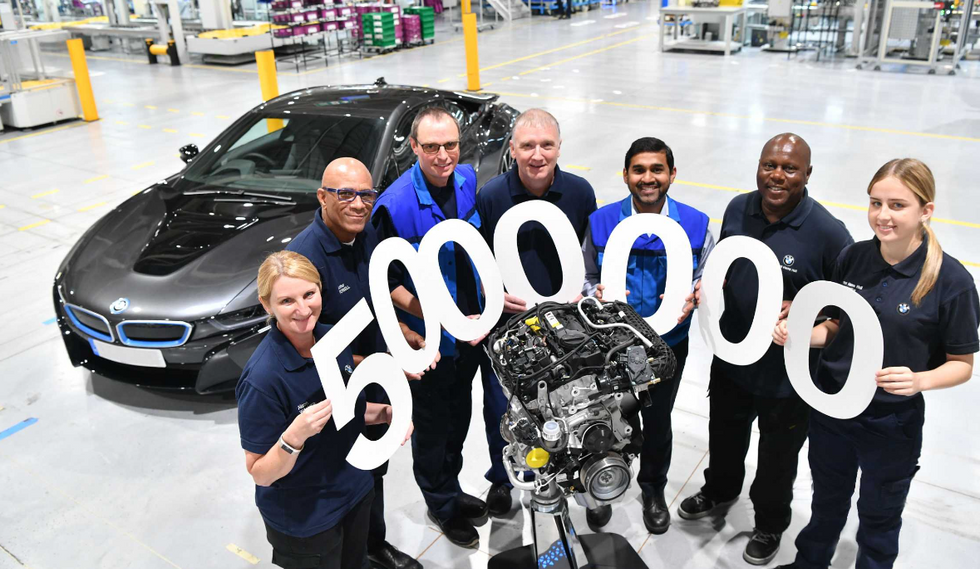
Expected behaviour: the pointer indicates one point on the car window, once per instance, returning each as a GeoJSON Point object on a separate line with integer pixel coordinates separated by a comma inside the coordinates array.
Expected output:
{"type": "Point", "coordinates": [286, 153]}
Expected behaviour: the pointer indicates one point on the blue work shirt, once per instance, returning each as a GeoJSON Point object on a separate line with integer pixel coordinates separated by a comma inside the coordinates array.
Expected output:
{"type": "Point", "coordinates": [916, 337]}
{"type": "Point", "coordinates": [276, 385]}
{"type": "Point", "coordinates": [343, 272]}
{"type": "Point", "coordinates": [807, 242]}
{"type": "Point", "coordinates": [573, 195]}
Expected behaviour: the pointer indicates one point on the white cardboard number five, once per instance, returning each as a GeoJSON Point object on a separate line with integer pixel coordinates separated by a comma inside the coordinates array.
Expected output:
{"type": "Point", "coordinates": [377, 368]}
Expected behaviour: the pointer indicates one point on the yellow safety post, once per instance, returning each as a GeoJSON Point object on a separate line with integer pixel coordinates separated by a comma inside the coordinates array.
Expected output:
{"type": "Point", "coordinates": [266, 60]}
{"type": "Point", "coordinates": [82, 80]}
{"type": "Point", "coordinates": [469, 43]}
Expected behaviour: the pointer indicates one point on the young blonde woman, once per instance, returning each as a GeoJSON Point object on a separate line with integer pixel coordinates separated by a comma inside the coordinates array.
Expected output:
{"type": "Point", "coordinates": [929, 312]}
{"type": "Point", "coordinates": [314, 504]}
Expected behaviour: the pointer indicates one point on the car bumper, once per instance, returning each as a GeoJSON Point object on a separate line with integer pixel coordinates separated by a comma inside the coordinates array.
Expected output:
{"type": "Point", "coordinates": [206, 365]}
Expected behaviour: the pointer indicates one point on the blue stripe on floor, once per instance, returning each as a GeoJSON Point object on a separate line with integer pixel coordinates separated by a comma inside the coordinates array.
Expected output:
{"type": "Point", "coordinates": [18, 427]}
{"type": "Point", "coordinates": [50, 321]}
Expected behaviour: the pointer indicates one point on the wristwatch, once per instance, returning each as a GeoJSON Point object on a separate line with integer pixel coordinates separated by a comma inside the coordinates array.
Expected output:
{"type": "Point", "coordinates": [287, 447]}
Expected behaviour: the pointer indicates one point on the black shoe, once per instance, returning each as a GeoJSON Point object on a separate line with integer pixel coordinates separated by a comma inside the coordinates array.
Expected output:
{"type": "Point", "coordinates": [598, 517]}
{"type": "Point", "coordinates": [699, 506]}
{"type": "Point", "coordinates": [458, 530]}
{"type": "Point", "coordinates": [470, 506]}
{"type": "Point", "coordinates": [498, 499]}
{"type": "Point", "coordinates": [656, 516]}
{"type": "Point", "coordinates": [762, 547]}
{"type": "Point", "coordinates": [388, 557]}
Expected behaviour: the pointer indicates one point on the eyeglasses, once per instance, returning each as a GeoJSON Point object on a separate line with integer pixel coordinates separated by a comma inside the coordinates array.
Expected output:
{"type": "Point", "coordinates": [348, 194]}
{"type": "Point", "coordinates": [432, 147]}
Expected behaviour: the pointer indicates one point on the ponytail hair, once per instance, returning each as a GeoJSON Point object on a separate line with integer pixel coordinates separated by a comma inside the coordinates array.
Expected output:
{"type": "Point", "coordinates": [917, 177]}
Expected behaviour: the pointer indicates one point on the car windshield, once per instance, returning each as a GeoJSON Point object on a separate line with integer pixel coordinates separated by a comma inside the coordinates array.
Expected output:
{"type": "Point", "coordinates": [286, 153]}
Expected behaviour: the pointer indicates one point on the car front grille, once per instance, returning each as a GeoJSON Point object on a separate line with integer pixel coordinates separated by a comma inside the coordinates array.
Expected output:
{"type": "Point", "coordinates": [153, 333]}
{"type": "Point", "coordinates": [90, 323]}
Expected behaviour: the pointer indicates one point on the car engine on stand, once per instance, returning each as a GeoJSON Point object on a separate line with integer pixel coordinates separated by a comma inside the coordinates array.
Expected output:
{"type": "Point", "coordinates": [575, 376]}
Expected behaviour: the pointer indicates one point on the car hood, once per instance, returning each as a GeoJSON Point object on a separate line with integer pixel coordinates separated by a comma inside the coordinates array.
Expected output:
{"type": "Point", "coordinates": [177, 256]}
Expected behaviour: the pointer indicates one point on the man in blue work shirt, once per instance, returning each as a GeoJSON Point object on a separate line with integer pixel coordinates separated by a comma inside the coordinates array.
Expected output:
{"type": "Point", "coordinates": [806, 239]}
{"type": "Point", "coordinates": [433, 190]}
{"type": "Point", "coordinates": [648, 172]}
{"type": "Point", "coordinates": [339, 242]}
{"type": "Point", "coordinates": [535, 146]}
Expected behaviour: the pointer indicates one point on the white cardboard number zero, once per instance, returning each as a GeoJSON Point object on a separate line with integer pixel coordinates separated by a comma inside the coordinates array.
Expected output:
{"type": "Point", "coordinates": [446, 311]}
{"type": "Point", "coordinates": [860, 386]}
{"type": "Point", "coordinates": [566, 242]}
{"type": "Point", "coordinates": [411, 360]}
{"type": "Point", "coordinates": [770, 295]}
{"type": "Point", "coordinates": [377, 368]}
{"type": "Point", "coordinates": [680, 265]}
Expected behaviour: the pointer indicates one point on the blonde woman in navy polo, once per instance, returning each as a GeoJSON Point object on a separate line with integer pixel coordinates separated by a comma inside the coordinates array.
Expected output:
{"type": "Point", "coordinates": [929, 312]}
{"type": "Point", "coordinates": [315, 505]}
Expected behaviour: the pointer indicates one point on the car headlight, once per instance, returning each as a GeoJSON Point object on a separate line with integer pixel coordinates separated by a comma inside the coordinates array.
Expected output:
{"type": "Point", "coordinates": [240, 319]}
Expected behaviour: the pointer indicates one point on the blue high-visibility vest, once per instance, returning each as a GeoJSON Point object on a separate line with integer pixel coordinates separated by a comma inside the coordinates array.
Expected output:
{"type": "Point", "coordinates": [413, 212]}
{"type": "Point", "coordinates": [646, 271]}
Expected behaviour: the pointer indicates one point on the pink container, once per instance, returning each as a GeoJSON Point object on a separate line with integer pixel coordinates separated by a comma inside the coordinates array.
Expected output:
{"type": "Point", "coordinates": [328, 26]}
{"type": "Point", "coordinates": [282, 18]}
{"type": "Point", "coordinates": [295, 4]}
{"type": "Point", "coordinates": [311, 15]}
{"type": "Point", "coordinates": [283, 33]}
{"type": "Point", "coordinates": [328, 14]}
{"type": "Point", "coordinates": [297, 17]}
{"type": "Point", "coordinates": [280, 5]}
{"type": "Point", "coordinates": [344, 12]}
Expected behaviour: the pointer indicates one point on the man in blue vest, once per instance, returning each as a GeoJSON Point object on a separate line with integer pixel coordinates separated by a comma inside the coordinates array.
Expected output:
{"type": "Point", "coordinates": [433, 190]}
{"type": "Point", "coordinates": [649, 171]}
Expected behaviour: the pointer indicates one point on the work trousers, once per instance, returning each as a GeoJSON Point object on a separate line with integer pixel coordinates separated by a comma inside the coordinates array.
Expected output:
{"type": "Point", "coordinates": [494, 407]}
{"type": "Point", "coordinates": [344, 546]}
{"type": "Point", "coordinates": [377, 530]}
{"type": "Point", "coordinates": [658, 437]}
{"type": "Point", "coordinates": [783, 428]}
{"type": "Point", "coordinates": [884, 442]}
{"type": "Point", "coordinates": [443, 402]}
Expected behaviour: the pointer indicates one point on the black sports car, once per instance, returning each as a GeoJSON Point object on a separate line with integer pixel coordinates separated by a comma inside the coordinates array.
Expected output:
{"type": "Point", "coordinates": [161, 291]}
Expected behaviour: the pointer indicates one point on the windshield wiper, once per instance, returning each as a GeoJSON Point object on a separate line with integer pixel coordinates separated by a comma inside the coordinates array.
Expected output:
{"type": "Point", "coordinates": [241, 193]}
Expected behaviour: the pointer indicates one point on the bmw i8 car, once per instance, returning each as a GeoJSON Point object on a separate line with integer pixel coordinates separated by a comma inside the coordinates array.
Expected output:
{"type": "Point", "coordinates": [161, 291]}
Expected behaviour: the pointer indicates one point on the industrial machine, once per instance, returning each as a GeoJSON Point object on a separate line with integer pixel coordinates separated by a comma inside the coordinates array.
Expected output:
{"type": "Point", "coordinates": [575, 377]}
{"type": "Point", "coordinates": [29, 96]}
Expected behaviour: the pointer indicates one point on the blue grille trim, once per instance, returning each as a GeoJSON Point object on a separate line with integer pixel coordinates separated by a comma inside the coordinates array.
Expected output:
{"type": "Point", "coordinates": [120, 330]}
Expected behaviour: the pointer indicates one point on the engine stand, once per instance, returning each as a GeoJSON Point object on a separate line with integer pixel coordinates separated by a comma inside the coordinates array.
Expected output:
{"type": "Point", "coordinates": [558, 545]}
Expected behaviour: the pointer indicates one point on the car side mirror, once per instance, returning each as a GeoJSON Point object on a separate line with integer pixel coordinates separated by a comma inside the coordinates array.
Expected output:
{"type": "Point", "coordinates": [189, 152]}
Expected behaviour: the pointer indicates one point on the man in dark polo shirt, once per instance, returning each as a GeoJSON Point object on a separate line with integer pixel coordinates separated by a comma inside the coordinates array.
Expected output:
{"type": "Point", "coordinates": [339, 242]}
{"type": "Point", "coordinates": [806, 239]}
{"type": "Point", "coordinates": [535, 146]}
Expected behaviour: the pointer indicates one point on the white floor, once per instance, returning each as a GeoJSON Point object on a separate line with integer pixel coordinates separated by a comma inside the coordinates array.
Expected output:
{"type": "Point", "coordinates": [112, 476]}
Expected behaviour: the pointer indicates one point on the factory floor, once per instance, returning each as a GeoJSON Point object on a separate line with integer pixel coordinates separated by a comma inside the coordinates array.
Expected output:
{"type": "Point", "coordinates": [113, 476]}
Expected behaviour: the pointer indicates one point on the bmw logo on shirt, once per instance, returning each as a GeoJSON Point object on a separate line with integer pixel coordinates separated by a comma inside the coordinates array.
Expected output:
{"type": "Point", "coordinates": [788, 260]}
{"type": "Point", "coordinates": [348, 369]}
{"type": "Point", "coordinates": [120, 305]}
{"type": "Point", "coordinates": [904, 308]}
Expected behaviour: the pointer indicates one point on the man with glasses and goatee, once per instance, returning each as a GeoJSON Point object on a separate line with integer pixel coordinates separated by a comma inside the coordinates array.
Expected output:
{"type": "Point", "coordinates": [435, 189]}
{"type": "Point", "coordinates": [339, 242]}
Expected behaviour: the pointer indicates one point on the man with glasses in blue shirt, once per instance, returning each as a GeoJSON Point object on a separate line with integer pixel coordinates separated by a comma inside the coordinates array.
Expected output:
{"type": "Point", "coordinates": [435, 189]}
{"type": "Point", "coordinates": [339, 242]}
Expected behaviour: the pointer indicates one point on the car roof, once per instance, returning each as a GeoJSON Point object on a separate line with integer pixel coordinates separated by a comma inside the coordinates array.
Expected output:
{"type": "Point", "coordinates": [361, 100]}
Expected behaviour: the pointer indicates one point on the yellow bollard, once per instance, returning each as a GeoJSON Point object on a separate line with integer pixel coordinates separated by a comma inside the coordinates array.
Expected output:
{"type": "Point", "coordinates": [266, 60]}
{"type": "Point", "coordinates": [472, 57]}
{"type": "Point", "coordinates": [82, 80]}
{"type": "Point", "coordinates": [466, 7]}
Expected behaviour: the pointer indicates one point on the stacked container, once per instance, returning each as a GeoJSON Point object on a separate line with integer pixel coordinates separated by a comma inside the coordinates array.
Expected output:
{"type": "Point", "coordinates": [427, 16]}
{"type": "Point", "coordinates": [411, 29]}
{"type": "Point", "coordinates": [379, 30]}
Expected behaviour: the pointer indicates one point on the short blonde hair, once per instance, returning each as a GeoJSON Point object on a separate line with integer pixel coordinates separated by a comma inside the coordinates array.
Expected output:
{"type": "Point", "coordinates": [284, 264]}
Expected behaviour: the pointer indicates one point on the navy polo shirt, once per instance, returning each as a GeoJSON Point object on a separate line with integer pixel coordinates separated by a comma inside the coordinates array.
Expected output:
{"type": "Point", "coordinates": [573, 195]}
{"type": "Point", "coordinates": [343, 275]}
{"type": "Point", "coordinates": [807, 242]}
{"type": "Point", "coordinates": [916, 337]}
{"type": "Point", "coordinates": [276, 385]}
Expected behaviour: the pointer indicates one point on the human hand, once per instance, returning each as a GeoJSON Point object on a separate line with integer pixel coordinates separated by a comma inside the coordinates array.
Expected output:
{"type": "Point", "coordinates": [784, 309]}
{"type": "Point", "coordinates": [308, 423]}
{"type": "Point", "coordinates": [408, 435]}
{"type": "Point", "coordinates": [780, 333]}
{"type": "Point", "coordinates": [476, 341]}
{"type": "Point", "coordinates": [513, 304]}
{"type": "Point", "coordinates": [898, 381]}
